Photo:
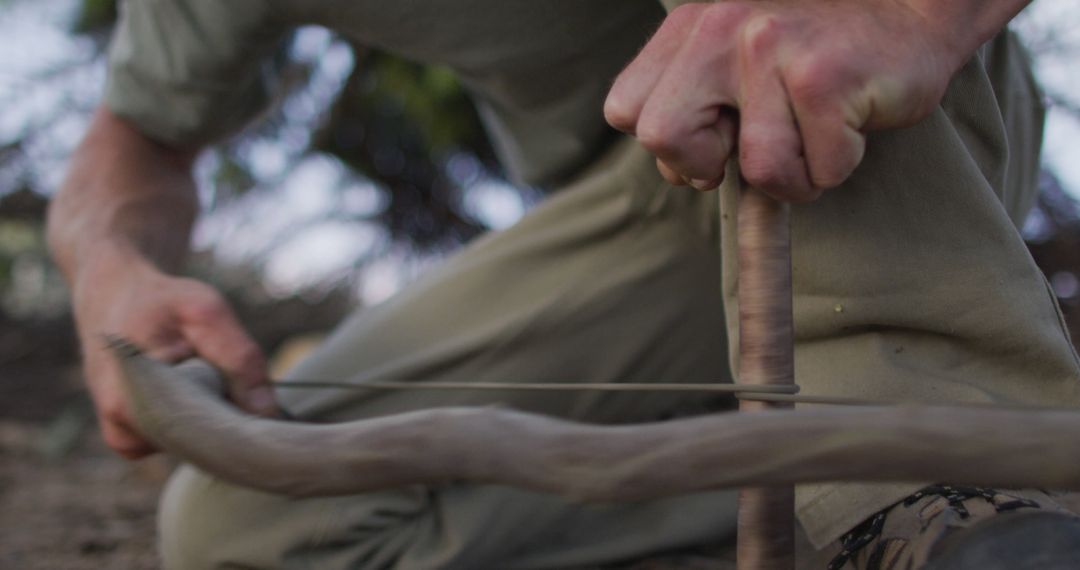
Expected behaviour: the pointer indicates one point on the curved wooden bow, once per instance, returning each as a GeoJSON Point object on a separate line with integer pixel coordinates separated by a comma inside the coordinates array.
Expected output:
{"type": "Point", "coordinates": [182, 409]}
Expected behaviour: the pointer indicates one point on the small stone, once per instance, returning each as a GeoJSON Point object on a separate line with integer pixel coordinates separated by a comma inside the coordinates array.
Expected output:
{"type": "Point", "coordinates": [838, 308]}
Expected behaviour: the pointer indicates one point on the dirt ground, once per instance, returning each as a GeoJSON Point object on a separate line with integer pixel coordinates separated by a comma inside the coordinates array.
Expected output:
{"type": "Point", "coordinates": [66, 502]}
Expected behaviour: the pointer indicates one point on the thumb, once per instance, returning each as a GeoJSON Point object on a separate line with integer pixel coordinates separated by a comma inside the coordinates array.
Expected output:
{"type": "Point", "coordinates": [217, 336]}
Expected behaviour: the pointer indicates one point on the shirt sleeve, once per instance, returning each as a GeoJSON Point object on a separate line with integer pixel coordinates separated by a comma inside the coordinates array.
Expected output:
{"type": "Point", "coordinates": [190, 72]}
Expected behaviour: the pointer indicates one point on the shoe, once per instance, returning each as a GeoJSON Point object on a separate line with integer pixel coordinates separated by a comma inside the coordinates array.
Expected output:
{"type": "Point", "coordinates": [953, 527]}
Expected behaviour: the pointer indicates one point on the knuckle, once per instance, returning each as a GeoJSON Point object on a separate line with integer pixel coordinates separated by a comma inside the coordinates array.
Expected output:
{"type": "Point", "coordinates": [760, 35]}
{"type": "Point", "coordinates": [822, 84]}
{"type": "Point", "coordinates": [760, 169]}
{"type": "Point", "coordinates": [763, 178]}
{"type": "Point", "coordinates": [783, 176]}
{"type": "Point", "coordinates": [810, 84]}
{"type": "Point", "coordinates": [206, 308]}
{"type": "Point", "coordinates": [719, 20]}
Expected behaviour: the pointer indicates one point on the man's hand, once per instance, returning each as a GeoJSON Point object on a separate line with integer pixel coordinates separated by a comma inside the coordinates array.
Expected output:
{"type": "Point", "coordinates": [792, 85]}
{"type": "Point", "coordinates": [118, 227]}
{"type": "Point", "coordinates": [171, 318]}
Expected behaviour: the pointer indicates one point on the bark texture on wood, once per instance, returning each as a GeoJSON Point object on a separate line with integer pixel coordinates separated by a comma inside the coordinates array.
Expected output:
{"type": "Point", "coordinates": [766, 532]}
{"type": "Point", "coordinates": [182, 410]}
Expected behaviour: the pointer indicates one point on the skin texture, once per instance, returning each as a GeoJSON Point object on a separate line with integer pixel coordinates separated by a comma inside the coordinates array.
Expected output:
{"type": "Point", "coordinates": [118, 228]}
{"type": "Point", "coordinates": [792, 88]}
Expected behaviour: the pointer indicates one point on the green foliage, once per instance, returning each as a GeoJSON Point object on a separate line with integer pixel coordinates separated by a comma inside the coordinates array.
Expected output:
{"type": "Point", "coordinates": [19, 236]}
{"type": "Point", "coordinates": [396, 121]}
{"type": "Point", "coordinates": [424, 101]}
{"type": "Point", "coordinates": [95, 16]}
{"type": "Point", "coordinates": [430, 97]}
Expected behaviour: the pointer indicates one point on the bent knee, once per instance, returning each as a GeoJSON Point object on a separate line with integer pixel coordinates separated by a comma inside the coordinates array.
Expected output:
{"type": "Point", "coordinates": [206, 523]}
{"type": "Point", "coordinates": [201, 521]}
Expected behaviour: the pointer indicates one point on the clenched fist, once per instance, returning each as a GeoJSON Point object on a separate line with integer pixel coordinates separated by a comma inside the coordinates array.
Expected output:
{"type": "Point", "coordinates": [793, 86]}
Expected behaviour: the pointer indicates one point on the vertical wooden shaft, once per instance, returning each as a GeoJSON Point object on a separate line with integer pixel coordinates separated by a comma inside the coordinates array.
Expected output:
{"type": "Point", "coordinates": [766, 356]}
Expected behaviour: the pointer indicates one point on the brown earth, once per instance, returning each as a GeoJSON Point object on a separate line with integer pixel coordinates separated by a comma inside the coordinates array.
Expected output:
{"type": "Point", "coordinates": [66, 502]}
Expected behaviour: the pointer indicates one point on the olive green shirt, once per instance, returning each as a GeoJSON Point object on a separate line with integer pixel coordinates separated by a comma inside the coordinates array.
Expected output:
{"type": "Point", "coordinates": [190, 72]}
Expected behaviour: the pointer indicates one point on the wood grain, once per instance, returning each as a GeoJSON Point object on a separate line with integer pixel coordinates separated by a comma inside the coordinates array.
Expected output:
{"type": "Point", "coordinates": [766, 527]}
{"type": "Point", "coordinates": [183, 411]}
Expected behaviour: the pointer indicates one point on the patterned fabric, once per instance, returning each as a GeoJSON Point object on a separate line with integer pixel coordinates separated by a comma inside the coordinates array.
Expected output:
{"type": "Point", "coordinates": [903, 536]}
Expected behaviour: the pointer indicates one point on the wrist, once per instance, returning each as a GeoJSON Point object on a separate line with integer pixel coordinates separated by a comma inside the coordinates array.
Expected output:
{"type": "Point", "coordinates": [959, 27]}
{"type": "Point", "coordinates": [106, 270]}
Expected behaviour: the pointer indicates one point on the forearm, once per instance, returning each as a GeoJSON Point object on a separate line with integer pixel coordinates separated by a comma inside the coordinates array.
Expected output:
{"type": "Point", "coordinates": [964, 25]}
{"type": "Point", "coordinates": [126, 202]}
{"type": "Point", "coordinates": [118, 227]}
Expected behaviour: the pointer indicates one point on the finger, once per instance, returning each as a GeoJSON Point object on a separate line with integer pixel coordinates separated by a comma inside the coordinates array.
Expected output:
{"type": "Point", "coordinates": [694, 144]}
{"type": "Point", "coordinates": [832, 149]}
{"type": "Point", "coordinates": [706, 185]}
{"type": "Point", "coordinates": [689, 121]}
{"type": "Point", "coordinates": [125, 442]}
{"type": "Point", "coordinates": [216, 335]}
{"type": "Point", "coordinates": [154, 332]}
{"type": "Point", "coordinates": [770, 145]}
{"type": "Point", "coordinates": [830, 120]}
{"type": "Point", "coordinates": [636, 82]}
{"type": "Point", "coordinates": [118, 429]}
{"type": "Point", "coordinates": [674, 178]}
{"type": "Point", "coordinates": [677, 179]}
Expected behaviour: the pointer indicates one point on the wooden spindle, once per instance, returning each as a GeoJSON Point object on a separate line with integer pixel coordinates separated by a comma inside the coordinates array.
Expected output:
{"type": "Point", "coordinates": [766, 528]}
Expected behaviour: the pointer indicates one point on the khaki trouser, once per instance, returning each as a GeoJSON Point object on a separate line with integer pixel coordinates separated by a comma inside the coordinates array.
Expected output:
{"type": "Point", "coordinates": [910, 281]}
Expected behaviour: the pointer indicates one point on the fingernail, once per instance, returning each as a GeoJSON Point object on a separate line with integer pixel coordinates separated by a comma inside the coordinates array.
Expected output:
{"type": "Point", "coordinates": [261, 399]}
{"type": "Point", "coordinates": [701, 184]}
